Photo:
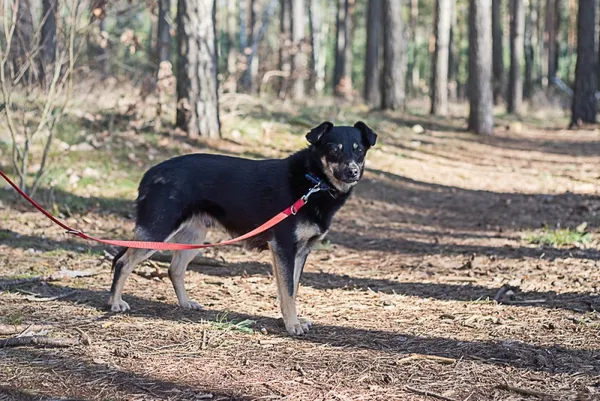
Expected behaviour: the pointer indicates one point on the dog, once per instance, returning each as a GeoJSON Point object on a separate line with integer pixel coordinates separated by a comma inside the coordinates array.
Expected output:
{"type": "Point", "coordinates": [181, 198]}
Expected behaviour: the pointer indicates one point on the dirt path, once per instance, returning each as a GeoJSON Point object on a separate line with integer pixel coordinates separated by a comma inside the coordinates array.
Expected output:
{"type": "Point", "coordinates": [402, 296]}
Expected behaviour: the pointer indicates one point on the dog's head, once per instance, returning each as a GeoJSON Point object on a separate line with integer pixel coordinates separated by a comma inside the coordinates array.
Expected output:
{"type": "Point", "coordinates": [341, 152]}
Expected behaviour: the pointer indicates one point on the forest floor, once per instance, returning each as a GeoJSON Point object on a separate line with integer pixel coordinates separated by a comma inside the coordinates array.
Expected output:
{"type": "Point", "coordinates": [460, 267]}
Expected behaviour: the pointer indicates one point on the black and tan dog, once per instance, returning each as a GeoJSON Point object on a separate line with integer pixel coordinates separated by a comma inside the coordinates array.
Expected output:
{"type": "Point", "coordinates": [181, 198]}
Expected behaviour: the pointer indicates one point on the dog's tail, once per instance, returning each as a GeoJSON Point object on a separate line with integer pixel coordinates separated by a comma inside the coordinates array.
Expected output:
{"type": "Point", "coordinates": [117, 257]}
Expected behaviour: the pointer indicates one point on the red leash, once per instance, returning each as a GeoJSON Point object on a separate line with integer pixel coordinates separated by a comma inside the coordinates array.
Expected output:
{"type": "Point", "coordinates": [170, 246]}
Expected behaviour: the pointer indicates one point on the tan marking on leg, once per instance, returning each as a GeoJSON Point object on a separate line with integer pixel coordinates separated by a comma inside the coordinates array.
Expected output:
{"type": "Point", "coordinates": [191, 233]}
{"type": "Point", "coordinates": [287, 303]}
{"type": "Point", "coordinates": [130, 259]}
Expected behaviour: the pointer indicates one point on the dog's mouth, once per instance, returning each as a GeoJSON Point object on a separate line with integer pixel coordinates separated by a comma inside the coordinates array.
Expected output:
{"type": "Point", "coordinates": [350, 180]}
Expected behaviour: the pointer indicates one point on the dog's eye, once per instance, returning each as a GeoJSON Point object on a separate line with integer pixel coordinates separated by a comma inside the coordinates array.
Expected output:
{"type": "Point", "coordinates": [359, 151]}
{"type": "Point", "coordinates": [334, 149]}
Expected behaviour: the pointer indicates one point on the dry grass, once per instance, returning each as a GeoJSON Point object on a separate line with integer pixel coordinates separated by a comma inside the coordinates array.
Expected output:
{"type": "Point", "coordinates": [402, 297]}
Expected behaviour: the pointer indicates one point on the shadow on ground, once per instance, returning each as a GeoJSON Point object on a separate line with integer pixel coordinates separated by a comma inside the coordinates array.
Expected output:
{"type": "Point", "coordinates": [556, 358]}
{"type": "Point", "coordinates": [86, 380]}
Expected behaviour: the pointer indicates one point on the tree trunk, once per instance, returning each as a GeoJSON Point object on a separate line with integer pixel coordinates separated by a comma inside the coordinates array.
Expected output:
{"type": "Point", "coordinates": [583, 109]}
{"type": "Point", "coordinates": [163, 35]}
{"type": "Point", "coordinates": [393, 91]}
{"type": "Point", "coordinates": [249, 78]}
{"type": "Point", "coordinates": [529, 49]}
{"type": "Point", "coordinates": [452, 57]}
{"type": "Point", "coordinates": [541, 50]}
{"type": "Point", "coordinates": [299, 62]}
{"type": "Point", "coordinates": [49, 30]}
{"type": "Point", "coordinates": [232, 53]}
{"type": "Point", "coordinates": [285, 42]}
{"type": "Point", "coordinates": [243, 6]}
{"type": "Point", "coordinates": [248, 81]}
{"type": "Point", "coordinates": [481, 118]}
{"type": "Point", "coordinates": [498, 51]}
{"type": "Point", "coordinates": [372, 89]}
{"type": "Point", "coordinates": [551, 42]}
{"type": "Point", "coordinates": [197, 94]}
{"type": "Point", "coordinates": [515, 82]}
{"type": "Point", "coordinates": [22, 44]}
{"type": "Point", "coordinates": [439, 76]}
{"type": "Point", "coordinates": [412, 70]}
{"type": "Point", "coordinates": [342, 76]}
{"type": "Point", "coordinates": [48, 40]}
{"type": "Point", "coordinates": [318, 42]}
{"type": "Point", "coordinates": [571, 39]}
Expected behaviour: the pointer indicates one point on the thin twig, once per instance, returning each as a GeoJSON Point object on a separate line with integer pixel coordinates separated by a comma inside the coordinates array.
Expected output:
{"type": "Point", "coordinates": [435, 358]}
{"type": "Point", "coordinates": [429, 393]}
{"type": "Point", "coordinates": [523, 391]}
{"type": "Point", "coordinates": [48, 299]}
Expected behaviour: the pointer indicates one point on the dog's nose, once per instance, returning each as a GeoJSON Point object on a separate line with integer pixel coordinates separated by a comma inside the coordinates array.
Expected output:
{"type": "Point", "coordinates": [352, 172]}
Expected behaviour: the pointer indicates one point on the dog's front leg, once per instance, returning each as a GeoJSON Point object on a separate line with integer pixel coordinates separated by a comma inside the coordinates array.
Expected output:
{"type": "Point", "coordinates": [285, 263]}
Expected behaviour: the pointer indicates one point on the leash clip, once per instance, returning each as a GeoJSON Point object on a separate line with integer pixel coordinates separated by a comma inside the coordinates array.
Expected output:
{"type": "Point", "coordinates": [75, 232]}
{"type": "Point", "coordinates": [311, 191]}
{"type": "Point", "coordinates": [319, 186]}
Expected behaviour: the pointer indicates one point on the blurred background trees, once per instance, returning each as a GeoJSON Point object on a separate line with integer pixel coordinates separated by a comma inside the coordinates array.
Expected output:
{"type": "Point", "coordinates": [380, 52]}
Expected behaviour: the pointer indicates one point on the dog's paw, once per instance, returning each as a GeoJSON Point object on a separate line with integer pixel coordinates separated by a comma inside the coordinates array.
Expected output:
{"type": "Point", "coordinates": [119, 306]}
{"type": "Point", "coordinates": [191, 305]}
{"type": "Point", "coordinates": [299, 328]}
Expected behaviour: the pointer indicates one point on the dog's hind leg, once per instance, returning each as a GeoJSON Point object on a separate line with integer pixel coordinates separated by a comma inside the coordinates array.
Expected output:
{"type": "Point", "coordinates": [125, 262]}
{"type": "Point", "coordinates": [189, 234]}
{"type": "Point", "coordinates": [123, 266]}
{"type": "Point", "coordinates": [284, 264]}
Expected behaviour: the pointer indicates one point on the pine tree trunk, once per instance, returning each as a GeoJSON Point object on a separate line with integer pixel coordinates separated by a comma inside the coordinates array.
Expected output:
{"type": "Point", "coordinates": [342, 76]}
{"type": "Point", "coordinates": [319, 29]}
{"type": "Point", "coordinates": [393, 92]}
{"type": "Point", "coordinates": [515, 82]}
{"type": "Point", "coordinates": [49, 31]}
{"type": "Point", "coordinates": [571, 39]}
{"type": "Point", "coordinates": [551, 37]}
{"type": "Point", "coordinates": [249, 78]}
{"type": "Point", "coordinates": [163, 43]}
{"type": "Point", "coordinates": [232, 53]}
{"type": "Point", "coordinates": [372, 89]}
{"type": "Point", "coordinates": [285, 42]}
{"type": "Point", "coordinates": [529, 50]}
{"type": "Point", "coordinates": [22, 44]}
{"type": "Point", "coordinates": [299, 61]}
{"type": "Point", "coordinates": [412, 70]}
{"type": "Point", "coordinates": [48, 40]}
{"type": "Point", "coordinates": [439, 76]}
{"type": "Point", "coordinates": [481, 118]}
{"type": "Point", "coordinates": [243, 21]}
{"type": "Point", "coordinates": [498, 51]}
{"type": "Point", "coordinates": [541, 50]}
{"type": "Point", "coordinates": [248, 81]}
{"type": "Point", "coordinates": [583, 109]}
{"type": "Point", "coordinates": [452, 57]}
{"type": "Point", "coordinates": [557, 39]}
{"type": "Point", "coordinates": [197, 95]}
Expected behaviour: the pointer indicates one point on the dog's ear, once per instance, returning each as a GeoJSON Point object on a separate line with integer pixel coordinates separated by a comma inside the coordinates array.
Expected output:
{"type": "Point", "coordinates": [316, 133]}
{"type": "Point", "coordinates": [368, 136]}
